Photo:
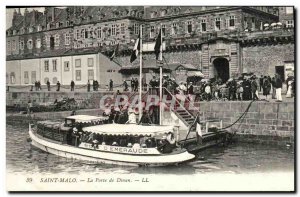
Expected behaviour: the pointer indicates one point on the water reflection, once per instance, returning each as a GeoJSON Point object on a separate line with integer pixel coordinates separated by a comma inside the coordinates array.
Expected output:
{"type": "Point", "coordinates": [236, 158]}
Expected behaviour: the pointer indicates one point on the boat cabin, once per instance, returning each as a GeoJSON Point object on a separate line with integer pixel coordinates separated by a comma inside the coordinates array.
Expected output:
{"type": "Point", "coordinates": [129, 138]}
{"type": "Point", "coordinates": [85, 120]}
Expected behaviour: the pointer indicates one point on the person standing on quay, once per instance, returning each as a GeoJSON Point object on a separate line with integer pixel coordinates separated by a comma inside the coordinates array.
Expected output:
{"type": "Point", "coordinates": [136, 84]}
{"type": "Point", "coordinates": [254, 88]}
{"type": "Point", "coordinates": [88, 86]}
{"type": "Point", "coordinates": [132, 82]}
{"type": "Point", "coordinates": [48, 85]}
{"type": "Point", "coordinates": [266, 87]}
{"type": "Point", "coordinates": [111, 85]}
{"type": "Point", "coordinates": [58, 86]}
{"type": "Point", "coordinates": [278, 86]}
{"type": "Point", "coordinates": [72, 85]}
{"type": "Point", "coordinates": [261, 82]}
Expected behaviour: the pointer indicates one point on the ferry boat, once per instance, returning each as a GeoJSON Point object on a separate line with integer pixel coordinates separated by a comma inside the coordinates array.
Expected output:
{"type": "Point", "coordinates": [90, 138]}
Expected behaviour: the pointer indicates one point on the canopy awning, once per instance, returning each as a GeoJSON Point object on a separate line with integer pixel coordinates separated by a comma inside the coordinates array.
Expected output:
{"type": "Point", "coordinates": [86, 118]}
{"type": "Point", "coordinates": [195, 73]}
{"type": "Point", "coordinates": [128, 129]}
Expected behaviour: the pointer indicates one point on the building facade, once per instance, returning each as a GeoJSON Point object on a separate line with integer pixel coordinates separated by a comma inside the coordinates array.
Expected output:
{"type": "Point", "coordinates": [74, 43]}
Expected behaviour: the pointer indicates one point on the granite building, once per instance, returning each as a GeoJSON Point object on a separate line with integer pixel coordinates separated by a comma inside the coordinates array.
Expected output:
{"type": "Point", "coordinates": [74, 43]}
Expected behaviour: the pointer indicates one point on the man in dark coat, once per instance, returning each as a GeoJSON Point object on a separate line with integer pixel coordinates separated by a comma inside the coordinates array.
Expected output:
{"type": "Point", "coordinates": [266, 87]}
{"type": "Point", "coordinates": [48, 85]}
{"type": "Point", "coordinates": [111, 85]}
{"type": "Point", "coordinates": [72, 85]}
{"type": "Point", "coordinates": [246, 90]}
{"type": "Point", "coordinates": [261, 82]}
{"type": "Point", "coordinates": [278, 86]}
{"type": "Point", "coordinates": [132, 84]}
{"type": "Point", "coordinates": [88, 86]}
{"type": "Point", "coordinates": [136, 84]}
{"type": "Point", "coordinates": [232, 85]}
{"type": "Point", "coordinates": [125, 86]}
{"type": "Point", "coordinates": [58, 86]}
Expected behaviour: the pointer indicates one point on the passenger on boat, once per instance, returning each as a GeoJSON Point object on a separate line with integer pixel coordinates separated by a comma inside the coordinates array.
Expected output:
{"type": "Point", "coordinates": [131, 117]}
{"type": "Point", "coordinates": [129, 145]}
{"type": "Point", "coordinates": [95, 143]}
{"type": "Point", "coordinates": [145, 119]}
{"type": "Point", "coordinates": [115, 144]}
{"type": "Point", "coordinates": [165, 146]}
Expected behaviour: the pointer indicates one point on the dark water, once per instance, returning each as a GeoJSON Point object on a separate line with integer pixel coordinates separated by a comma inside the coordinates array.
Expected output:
{"type": "Point", "coordinates": [236, 158]}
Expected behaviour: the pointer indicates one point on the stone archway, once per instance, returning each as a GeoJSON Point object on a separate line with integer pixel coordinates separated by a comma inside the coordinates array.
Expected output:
{"type": "Point", "coordinates": [221, 69]}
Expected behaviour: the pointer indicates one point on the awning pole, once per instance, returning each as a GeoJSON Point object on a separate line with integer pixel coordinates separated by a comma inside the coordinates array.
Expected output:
{"type": "Point", "coordinates": [141, 64]}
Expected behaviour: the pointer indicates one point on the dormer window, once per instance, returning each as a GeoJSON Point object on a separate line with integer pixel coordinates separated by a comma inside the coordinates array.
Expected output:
{"type": "Point", "coordinates": [39, 28]}
{"type": "Point", "coordinates": [163, 13]}
{"type": "Point", "coordinates": [14, 32]}
{"type": "Point", "coordinates": [153, 14]}
{"type": "Point", "coordinates": [30, 29]}
{"type": "Point", "coordinates": [133, 12]}
{"type": "Point", "coordinates": [67, 23]}
{"type": "Point", "coordinates": [57, 25]}
{"type": "Point", "coordinates": [176, 10]}
{"type": "Point", "coordinates": [29, 44]}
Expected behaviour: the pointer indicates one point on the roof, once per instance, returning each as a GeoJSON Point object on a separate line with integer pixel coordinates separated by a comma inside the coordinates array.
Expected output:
{"type": "Point", "coordinates": [86, 118]}
{"type": "Point", "coordinates": [129, 129]}
{"type": "Point", "coordinates": [152, 64]}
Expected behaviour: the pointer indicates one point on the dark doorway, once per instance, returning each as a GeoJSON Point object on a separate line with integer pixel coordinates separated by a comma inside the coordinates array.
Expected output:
{"type": "Point", "coordinates": [221, 69]}
{"type": "Point", "coordinates": [280, 71]}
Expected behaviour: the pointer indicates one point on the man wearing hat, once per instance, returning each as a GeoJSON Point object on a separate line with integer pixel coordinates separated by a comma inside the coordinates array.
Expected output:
{"type": "Point", "coordinates": [254, 88]}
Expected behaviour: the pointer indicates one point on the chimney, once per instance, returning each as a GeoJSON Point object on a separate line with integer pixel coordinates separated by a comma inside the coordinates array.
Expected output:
{"type": "Point", "coordinates": [19, 10]}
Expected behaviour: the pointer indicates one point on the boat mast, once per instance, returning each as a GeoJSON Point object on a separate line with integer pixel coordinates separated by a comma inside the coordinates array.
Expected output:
{"type": "Point", "coordinates": [141, 63]}
{"type": "Point", "coordinates": [160, 78]}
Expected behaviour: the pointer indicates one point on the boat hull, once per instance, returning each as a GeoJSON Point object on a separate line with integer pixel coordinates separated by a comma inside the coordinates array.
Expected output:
{"type": "Point", "coordinates": [99, 157]}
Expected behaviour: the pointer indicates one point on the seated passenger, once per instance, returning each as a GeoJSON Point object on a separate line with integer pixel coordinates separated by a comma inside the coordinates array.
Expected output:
{"type": "Point", "coordinates": [129, 145]}
{"type": "Point", "coordinates": [136, 145]}
{"type": "Point", "coordinates": [103, 143]}
{"type": "Point", "coordinates": [114, 144]}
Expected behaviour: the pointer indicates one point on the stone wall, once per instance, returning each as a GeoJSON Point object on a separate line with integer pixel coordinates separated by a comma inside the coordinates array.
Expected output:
{"type": "Point", "coordinates": [262, 59]}
{"type": "Point", "coordinates": [265, 121]}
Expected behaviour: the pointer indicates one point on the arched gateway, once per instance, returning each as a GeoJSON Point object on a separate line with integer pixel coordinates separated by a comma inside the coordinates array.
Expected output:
{"type": "Point", "coordinates": [221, 68]}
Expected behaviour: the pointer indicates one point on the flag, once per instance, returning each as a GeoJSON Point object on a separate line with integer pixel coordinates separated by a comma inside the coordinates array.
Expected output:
{"type": "Point", "coordinates": [136, 49]}
{"type": "Point", "coordinates": [157, 47]}
{"type": "Point", "coordinates": [114, 53]}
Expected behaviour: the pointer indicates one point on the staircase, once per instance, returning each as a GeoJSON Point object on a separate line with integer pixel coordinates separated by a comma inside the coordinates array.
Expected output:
{"type": "Point", "coordinates": [181, 111]}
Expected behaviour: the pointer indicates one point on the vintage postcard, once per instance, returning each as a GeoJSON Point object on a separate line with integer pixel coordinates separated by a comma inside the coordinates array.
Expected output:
{"type": "Point", "coordinates": [150, 98]}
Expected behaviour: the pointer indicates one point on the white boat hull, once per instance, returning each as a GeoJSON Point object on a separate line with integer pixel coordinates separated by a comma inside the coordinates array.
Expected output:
{"type": "Point", "coordinates": [99, 157]}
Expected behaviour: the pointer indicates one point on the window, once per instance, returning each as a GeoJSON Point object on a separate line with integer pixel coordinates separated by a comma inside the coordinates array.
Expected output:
{"type": "Point", "coordinates": [99, 32]}
{"type": "Point", "coordinates": [78, 75]}
{"type": "Point", "coordinates": [12, 78]}
{"type": "Point", "coordinates": [29, 44]}
{"type": "Point", "coordinates": [163, 29]}
{"type": "Point", "coordinates": [163, 13]}
{"type": "Point", "coordinates": [90, 74]}
{"type": "Point", "coordinates": [232, 21]}
{"type": "Point", "coordinates": [122, 28]}
{"type": "Point", "coordinates": [26, 77]}
{"type": "Point", "coordinates": [90, 62]}
{"type": "Point", "coordinates": [33, 76]}
{"type": "Point", "coordinates": [66, 66]}
{"type": "Point", "coordinates": [290, 23]}
{"type": "Point", "coordinates": [56, 41]}
{"type": "Point", "coordinates": [38, 43]}
{"type": "Point", "coordinates": [136, 29]}
{"type": "Point", "coordinates": [174, 28]}
{"type": "Point", "coordinates": [67, 23]}
{"type": "Point", "coordinates": [21, 45]}
{"type": "Point", "coordinates": [78, 63]}
{"type": "Point", "coordinates": [54, 64]}
{"type": "Point", "coordinates": [54, 80]}
{"type": "Point", "coordinates": [57, 25]}
{"type": "Point", "coordinates": [113, 30]}
{"type": "Point", "coordinates": [13, 45]}
{"type": "Point", "coordinates": [203, 25]}
{"type": "Point", "coordinates": [217, 24]}
{"type": "Point", "coordinates": [189, 27]}
{"type": "Point", "coordinates": [67, 39]}
{"type": "Point", "coordinates": [77, 34]}
{"type": "Point", "coordinates": [46, 65]}
{"type": "Point", "coordinates": [82, 33]}
{"type": "Point", "coordinates": [289, 10]}
{"type": "Point", "coordinates": [52, 42]}
{"type": "Point", "coordinates": [30, 29]}
{"type": "Point", "coordinates": [253, 23]}
{"type": "Point", "coordinates": [8, 46]}
{"type": "Point", "coordinates": [153, 14]}
{"type": "Point", "coordinates": [39, 28]}
{"type": "Point", "coordinates": [152, 32]}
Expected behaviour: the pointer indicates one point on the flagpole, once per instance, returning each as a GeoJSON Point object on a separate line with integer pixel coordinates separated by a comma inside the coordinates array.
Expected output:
{"type": "Point", "coordinates": [160, 80]}
{"type": "Point", "coordinates": [141, 64]}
